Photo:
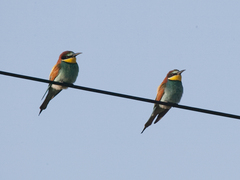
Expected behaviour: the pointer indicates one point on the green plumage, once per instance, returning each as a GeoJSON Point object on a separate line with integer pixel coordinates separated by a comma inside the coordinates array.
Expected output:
{"type": "Point", "coordinates": [173, 92]}
{"type": "Point", "coordinates": [67, 72]}
{"type": "Point", "coordinates": [170, 90]}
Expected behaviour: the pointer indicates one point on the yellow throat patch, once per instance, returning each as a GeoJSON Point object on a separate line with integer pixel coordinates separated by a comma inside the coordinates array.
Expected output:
{"type": "Point", "coordinates": [70, 60]}
{"type": "Point", "coordinates": [176, 78]}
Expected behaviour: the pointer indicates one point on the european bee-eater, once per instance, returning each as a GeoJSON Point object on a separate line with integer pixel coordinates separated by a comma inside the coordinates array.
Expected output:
{"type": "Point", "coordinates": [170, 90]}
{"type": "Point", "coordinates": [66, 70]}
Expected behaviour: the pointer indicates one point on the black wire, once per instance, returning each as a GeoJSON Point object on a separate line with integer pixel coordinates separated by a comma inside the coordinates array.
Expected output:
{"type": "Point", "coordinates": [123, 95]}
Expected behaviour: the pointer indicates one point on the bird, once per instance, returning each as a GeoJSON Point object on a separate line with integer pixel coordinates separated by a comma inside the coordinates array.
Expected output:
{"type": "Point", "coordinates": [170, 90]}
{"type": "Point", "coordinates": [64, 71]}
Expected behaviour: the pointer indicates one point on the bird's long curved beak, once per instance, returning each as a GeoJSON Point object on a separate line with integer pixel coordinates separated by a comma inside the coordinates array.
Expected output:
{"type": "Point", "coordinates": [75, 54]}
{"type": "Point", "coordinates": [180, 72]}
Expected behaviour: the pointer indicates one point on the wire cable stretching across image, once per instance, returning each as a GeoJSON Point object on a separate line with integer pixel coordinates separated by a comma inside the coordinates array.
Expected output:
{"type": "Point", "coordinates": [122, 95]}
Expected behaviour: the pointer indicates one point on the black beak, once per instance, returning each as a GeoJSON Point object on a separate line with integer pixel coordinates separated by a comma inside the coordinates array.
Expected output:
{"type": "Point", "coordinates": [180, 72]}
{"type": "Point", "coordinates": [75, 54]}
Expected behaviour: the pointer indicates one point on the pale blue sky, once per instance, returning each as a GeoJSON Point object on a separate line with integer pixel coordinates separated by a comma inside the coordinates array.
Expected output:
{"type": "Point", "coordinates": [128, 47]}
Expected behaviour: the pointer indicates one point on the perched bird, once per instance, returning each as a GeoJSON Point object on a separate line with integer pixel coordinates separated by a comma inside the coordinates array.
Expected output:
{"type": "Point", "coordinates": [170, 90]}
{"type": "Point", "coordinates": [66, 70]}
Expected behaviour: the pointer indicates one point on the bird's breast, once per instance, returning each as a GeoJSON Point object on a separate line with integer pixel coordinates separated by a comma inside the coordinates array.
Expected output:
{"type": "Point", "coordinates": [173, 92]}
{"type": "Point", "coordinates": [68, 73]}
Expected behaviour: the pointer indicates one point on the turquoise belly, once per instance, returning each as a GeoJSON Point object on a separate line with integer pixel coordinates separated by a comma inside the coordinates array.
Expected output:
{"type": "Point", "coordinates": [68, 72]}
{"type": "Point", "coordinates": [173, 92]}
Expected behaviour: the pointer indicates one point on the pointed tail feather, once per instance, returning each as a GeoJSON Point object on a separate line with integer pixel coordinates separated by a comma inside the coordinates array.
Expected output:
{"type": "Point", "coordinates": [40, 112]}
{"type": "Point", "coordinates": [44, 104]}
{"type": "Point", "coordinates": [160, 115]}
{"type": "Point", "coordinates": [149, 122]}
{"type": "Point", "coordinates": [51, 94]}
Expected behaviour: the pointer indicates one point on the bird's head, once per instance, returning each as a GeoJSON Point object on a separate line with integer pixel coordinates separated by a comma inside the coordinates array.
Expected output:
{"type": "Point", "coordinates": [175, 75]}
{"type": "Point", "coordinates": [69, 56]}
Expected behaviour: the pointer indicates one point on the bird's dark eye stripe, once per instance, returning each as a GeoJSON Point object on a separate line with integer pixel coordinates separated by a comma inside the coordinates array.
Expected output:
{"type": "Point", "coordinates": [67, 56]}
{"type": "Point", "coordinates": [172, 74]}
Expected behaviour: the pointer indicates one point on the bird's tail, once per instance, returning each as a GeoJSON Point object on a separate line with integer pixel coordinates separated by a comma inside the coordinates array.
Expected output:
{"type": "Point", "coordinates": [51, 94]}
{"type": "Point", "coordinates": [160, 115]}
{"type": "Point", "coordinates": [44, 104]}
{"type": "Point", "coordinates": [149, 122]}
{"type": "Point", "coordinates": [160, 112]}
